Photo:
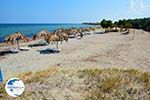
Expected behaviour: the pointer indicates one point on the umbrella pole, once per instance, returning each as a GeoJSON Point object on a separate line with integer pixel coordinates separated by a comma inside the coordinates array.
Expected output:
{"type": "Point", "coordinates": [18, 44]}
{"type": "Point", "coordinates": [57, 45]}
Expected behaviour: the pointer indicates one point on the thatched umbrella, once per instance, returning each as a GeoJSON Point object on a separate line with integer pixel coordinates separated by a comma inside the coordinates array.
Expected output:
{"type": "Point", "coordinates": [16, 37]}
{"type": "Point", "coordinates": [47, 37]}
{"type": "Point", "coordinates": [72, 32]}
{"type": "Point", "coordinates": [56, 37]}
{"type": "Point", "coordinates": [85, 29]}
{"type": "Point", "coordinates": [63, 34]}
{"type": "Point", "coordinates": [40, 34]}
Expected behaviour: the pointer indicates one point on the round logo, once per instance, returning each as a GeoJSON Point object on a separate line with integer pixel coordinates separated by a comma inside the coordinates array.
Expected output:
{"type": "Point", "coordinates": [14, 87]}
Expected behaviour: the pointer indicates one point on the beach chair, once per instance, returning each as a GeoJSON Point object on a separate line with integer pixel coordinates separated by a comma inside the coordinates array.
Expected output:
{"type": "Point", "coordinates": [40, 43]}
{"type": "Point", "coordinates": [8, 51]}
{"type": "Point", "coordinates": [24, 48]}
{"type": "Point", "coordinates": [14, 50]}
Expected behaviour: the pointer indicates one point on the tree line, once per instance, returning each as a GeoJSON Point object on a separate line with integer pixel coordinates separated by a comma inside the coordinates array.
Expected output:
{"type": "Point", "coordinates": [141, 23]}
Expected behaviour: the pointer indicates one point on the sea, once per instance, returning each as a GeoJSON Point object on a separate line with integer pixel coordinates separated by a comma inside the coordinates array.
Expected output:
{"type": "Point", "coordinates": [31, 29]}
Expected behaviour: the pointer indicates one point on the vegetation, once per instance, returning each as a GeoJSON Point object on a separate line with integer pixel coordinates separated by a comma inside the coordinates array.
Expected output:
{"type": "Point", "coordinates": [31, 77]}
{"type": "Point", "coordinates": [97, 84]}
{"type": "Point", "coordinates": [124, 24]}
{"type": "Point", "coordinates": [142, 23]}
{"type": "Point", "coordinates": [113, 84]}
{"type": "Point", "coordinates": [106, 23]}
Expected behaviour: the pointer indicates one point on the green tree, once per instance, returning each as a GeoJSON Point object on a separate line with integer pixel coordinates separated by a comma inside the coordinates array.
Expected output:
{"type": "Point", "coordinates": [106, 23]}
{"type": "Point", "coordinates": [127, 24]}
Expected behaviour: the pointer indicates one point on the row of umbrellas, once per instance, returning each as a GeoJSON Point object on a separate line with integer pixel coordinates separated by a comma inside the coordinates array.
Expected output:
{"type": "Point", "coordinates": [18, 36]}
{"type": "Point", "coordinates": [71, 31]}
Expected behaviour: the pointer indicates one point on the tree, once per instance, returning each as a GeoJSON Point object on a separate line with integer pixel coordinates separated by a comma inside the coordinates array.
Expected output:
{"type": "Point", "coordinates": [142, 23]}
{"type": "Point", "coordinates": [127, 24]}
{"type": "Point", "coordinates": [106, 23]}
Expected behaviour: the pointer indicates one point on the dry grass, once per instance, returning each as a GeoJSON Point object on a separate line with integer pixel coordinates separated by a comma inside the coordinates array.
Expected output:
{"type": "Point", "coordinates": [112, 84]}
{"type": "Point", "coordinates": [101, 84]}
{"type": "Point", "coordinates": [30, 77]}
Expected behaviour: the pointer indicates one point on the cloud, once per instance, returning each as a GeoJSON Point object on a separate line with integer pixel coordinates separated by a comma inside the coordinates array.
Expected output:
{"type": "Point", "coordinates": [138, 7]}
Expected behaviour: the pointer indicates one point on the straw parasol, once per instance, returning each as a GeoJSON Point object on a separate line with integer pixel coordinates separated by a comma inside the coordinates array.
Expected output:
{"type": "Point", "coordinates": [40, 35]}
{"type": "Point", "coordinates": [16, 37]}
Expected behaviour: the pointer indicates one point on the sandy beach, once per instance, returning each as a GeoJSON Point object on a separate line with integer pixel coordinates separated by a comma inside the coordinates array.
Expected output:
{"type": "Point", "coordinates": [75, 50]}
{"type": "Point", "coordinates": [111, 65]}
{"type": "Point", "coordinates": [112, 50]}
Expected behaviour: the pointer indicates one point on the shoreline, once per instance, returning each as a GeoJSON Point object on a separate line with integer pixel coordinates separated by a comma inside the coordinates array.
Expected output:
{"type": "Point", "coordinates": [30, 30]}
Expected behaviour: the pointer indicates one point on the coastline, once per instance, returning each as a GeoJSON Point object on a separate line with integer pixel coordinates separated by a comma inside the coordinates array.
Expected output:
{"type": "Point", "coordinates": [30, 29]}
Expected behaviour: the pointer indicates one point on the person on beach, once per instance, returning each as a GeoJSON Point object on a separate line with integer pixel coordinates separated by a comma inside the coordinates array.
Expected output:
{"type": "Point", "coordinates": [1, 76]}
{"type": "Point", "coordinates": [81, 34]}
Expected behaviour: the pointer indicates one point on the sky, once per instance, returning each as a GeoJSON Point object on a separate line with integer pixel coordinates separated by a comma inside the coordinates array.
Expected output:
{"type": "Point", "coordinates": [71, 11]}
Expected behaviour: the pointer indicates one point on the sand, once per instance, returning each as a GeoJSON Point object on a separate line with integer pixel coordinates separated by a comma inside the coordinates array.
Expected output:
{"type": "Point", "coordinates": [112, 50]}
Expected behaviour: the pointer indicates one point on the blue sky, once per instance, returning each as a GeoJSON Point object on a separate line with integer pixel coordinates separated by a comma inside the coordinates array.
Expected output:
{"type": "Point", "coordinates": [71, 11]}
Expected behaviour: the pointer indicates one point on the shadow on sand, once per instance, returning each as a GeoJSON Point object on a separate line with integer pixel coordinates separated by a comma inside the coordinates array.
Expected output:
{"type": "Point", "coordinates": [49, 51]}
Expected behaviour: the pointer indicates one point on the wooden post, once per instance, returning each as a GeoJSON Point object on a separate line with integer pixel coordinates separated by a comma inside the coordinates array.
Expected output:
{"type": "Point", "coordinates": [18, 44]}
{"type": "Point", "coordinates": [18, 38]}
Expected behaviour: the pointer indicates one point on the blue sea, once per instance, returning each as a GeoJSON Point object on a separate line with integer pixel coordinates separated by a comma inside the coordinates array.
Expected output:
{"type": "Point", "coordinates": [31, 29]}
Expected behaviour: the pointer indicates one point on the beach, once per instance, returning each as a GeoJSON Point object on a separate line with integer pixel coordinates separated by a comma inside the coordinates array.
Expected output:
{"type": "Point", "coordinates": [75, 50]}
{"type": "Point", "coordinates": [111, 50]}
